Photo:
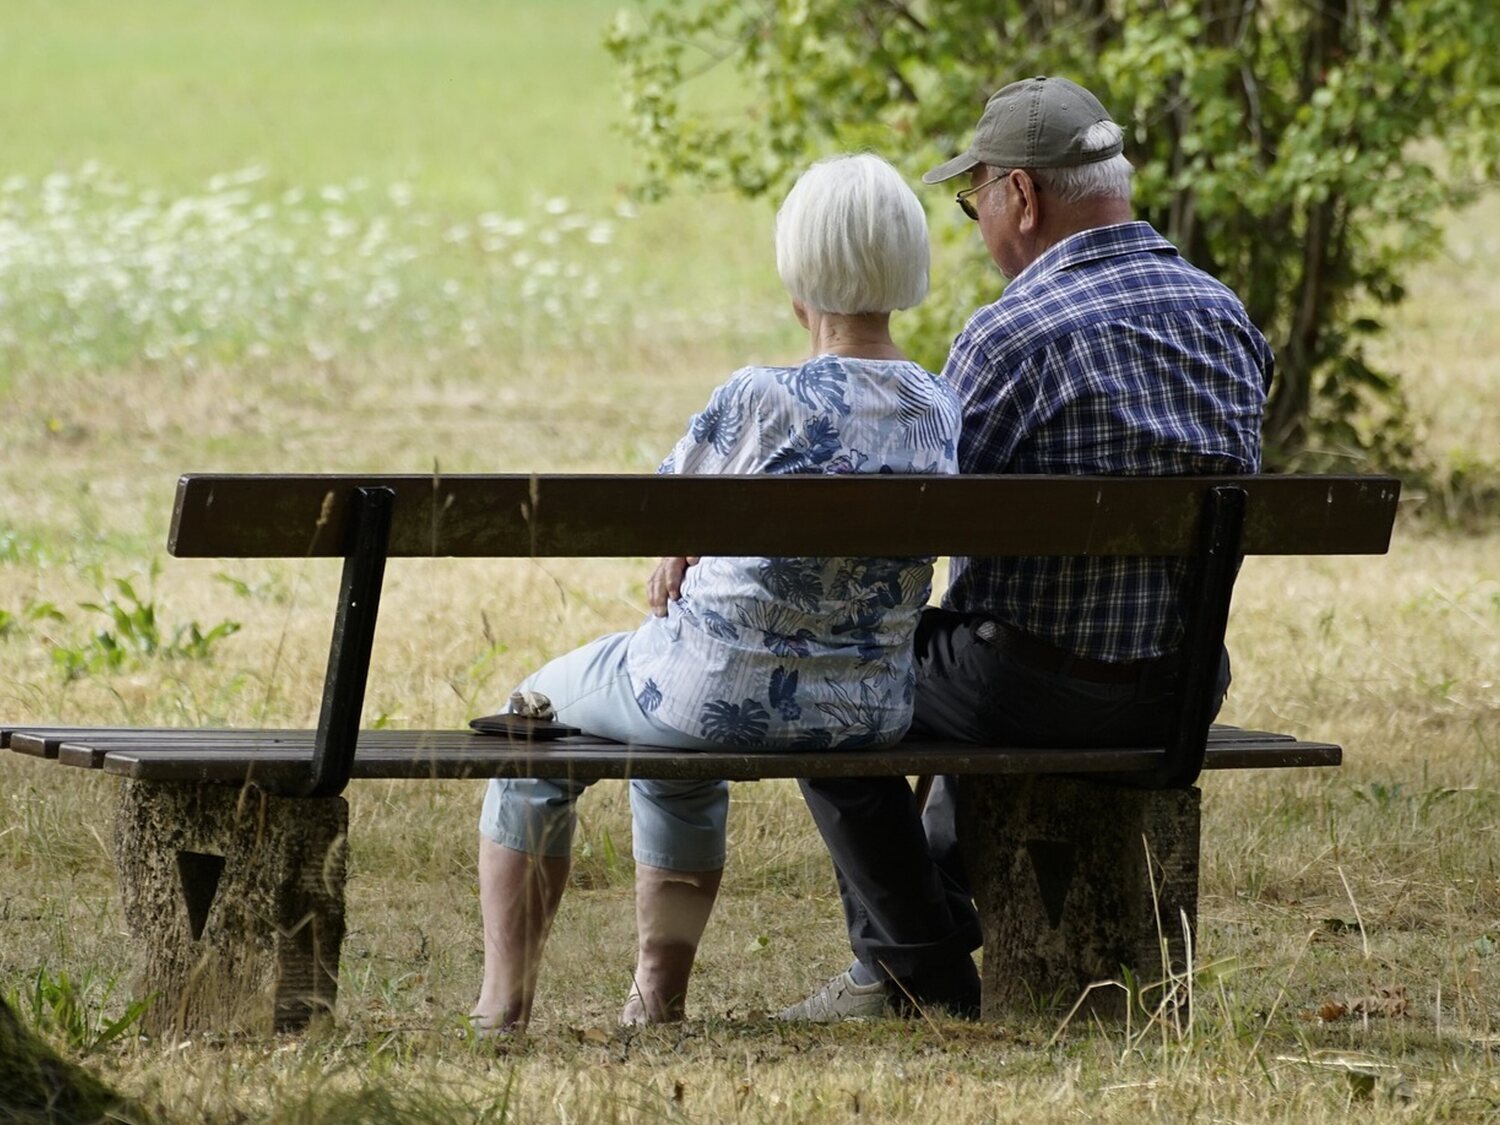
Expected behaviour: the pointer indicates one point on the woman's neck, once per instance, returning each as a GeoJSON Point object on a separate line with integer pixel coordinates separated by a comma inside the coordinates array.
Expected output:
{"type": "Point", "coordinates": [857, 335]}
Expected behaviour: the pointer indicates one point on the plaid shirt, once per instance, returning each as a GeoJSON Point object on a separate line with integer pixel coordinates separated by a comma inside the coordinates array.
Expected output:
{"type": "Point", "coordinates": [1108, 354]}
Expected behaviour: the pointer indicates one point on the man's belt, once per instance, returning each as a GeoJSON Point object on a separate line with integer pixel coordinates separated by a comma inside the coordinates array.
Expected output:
{"type": "Point", "coordinates": [1038, 654]}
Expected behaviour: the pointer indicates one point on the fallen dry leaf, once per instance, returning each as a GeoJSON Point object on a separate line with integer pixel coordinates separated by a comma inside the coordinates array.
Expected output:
{"type": "Point", "coordinates": [1331, 1010]}
{"type": "Point", "coordinates": [1389, 1001]}
{"type": "Point", "coordinates": [593, 1036]}
{"type": "Point", "coordinates": [1326, 1012]}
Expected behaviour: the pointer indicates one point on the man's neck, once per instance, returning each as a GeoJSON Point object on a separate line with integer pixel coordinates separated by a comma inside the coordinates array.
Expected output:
{"type": "Point", "coordinates": [1086, 214]}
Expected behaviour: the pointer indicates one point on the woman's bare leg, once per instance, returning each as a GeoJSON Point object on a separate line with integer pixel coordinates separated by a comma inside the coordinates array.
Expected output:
{"type": "Point", "coordinates": [518, 897]}
{"type": "Point", "coordinates": [671, 911]}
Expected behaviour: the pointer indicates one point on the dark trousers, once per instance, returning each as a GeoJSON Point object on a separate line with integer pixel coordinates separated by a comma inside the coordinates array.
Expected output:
{"type": "Point", "coordinates": [905, 896]}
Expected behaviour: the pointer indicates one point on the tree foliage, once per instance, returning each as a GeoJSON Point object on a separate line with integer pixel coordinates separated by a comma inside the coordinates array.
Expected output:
{"type": "Point", "coordinates": [1303, 151]}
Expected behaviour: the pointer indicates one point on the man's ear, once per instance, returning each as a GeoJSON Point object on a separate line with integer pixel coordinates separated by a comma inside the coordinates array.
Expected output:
{"type": "Point", "coordinates": [800, 310]}
{"type": "Point", "coordinates": [1030, 219]}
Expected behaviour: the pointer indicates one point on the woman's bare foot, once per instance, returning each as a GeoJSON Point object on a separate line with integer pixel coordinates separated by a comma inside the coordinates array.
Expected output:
{"type": "Point", "coordinates": [486, 1022]}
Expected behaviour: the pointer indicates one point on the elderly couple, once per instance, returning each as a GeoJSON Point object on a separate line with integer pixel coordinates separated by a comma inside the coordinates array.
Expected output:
{"type": "Point", "coordinates": [1107, 353]}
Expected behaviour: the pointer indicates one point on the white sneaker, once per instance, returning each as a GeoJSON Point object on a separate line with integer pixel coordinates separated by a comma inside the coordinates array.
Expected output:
{"type": "Point", "coordinates": [841, 999]}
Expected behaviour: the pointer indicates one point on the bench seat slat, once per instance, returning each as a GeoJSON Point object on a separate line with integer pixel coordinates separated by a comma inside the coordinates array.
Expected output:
{"type": "Point", "coordinates": [458, 754]}
{"type": "Point", "coordinates": [1278, 754]}
{"type": "Point", "coordinates": [43, 743]}
{"type": "Point", "coordinates": [277, 756]}
{"type": "Point", "coordinates": [46, 742]}
{"type": "Point", "coordinates": [91, 755]}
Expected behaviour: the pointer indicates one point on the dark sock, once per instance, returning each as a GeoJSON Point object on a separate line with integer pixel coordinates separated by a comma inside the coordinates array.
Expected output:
{"type": "Point", "coordinates": [862, 974]}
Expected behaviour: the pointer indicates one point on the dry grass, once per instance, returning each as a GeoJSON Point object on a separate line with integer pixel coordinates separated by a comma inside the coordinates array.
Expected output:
{"type": "Point", "coordinates": [1318, 887]}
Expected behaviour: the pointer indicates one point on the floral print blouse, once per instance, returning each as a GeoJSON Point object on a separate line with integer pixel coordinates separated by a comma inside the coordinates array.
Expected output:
{"type": "Point", "coordinates": [800, 653]}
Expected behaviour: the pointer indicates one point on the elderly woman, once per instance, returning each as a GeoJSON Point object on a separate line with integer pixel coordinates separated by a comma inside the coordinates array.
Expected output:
{"type": "Point", "coordinates": [774, 652]}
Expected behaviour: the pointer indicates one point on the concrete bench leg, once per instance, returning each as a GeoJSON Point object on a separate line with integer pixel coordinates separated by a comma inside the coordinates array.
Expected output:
{"type": "Point", "coordinates": [1074, 880]}
{"type": "Point", "coordinates": [236, 899]}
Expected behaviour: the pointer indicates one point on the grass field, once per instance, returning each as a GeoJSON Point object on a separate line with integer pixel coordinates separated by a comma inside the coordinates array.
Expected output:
{"type": "Point", "coordinates": [384, 236]}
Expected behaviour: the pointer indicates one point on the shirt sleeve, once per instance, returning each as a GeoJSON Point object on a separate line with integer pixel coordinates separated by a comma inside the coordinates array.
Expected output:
{"type": "Point", "coordinates": [724, 437]}
{"type": "Point", "coordinates": [993, 425]}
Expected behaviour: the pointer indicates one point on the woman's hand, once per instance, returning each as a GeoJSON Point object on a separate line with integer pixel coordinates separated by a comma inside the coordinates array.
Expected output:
{"type": "Point", "coordinates": [665, 583]}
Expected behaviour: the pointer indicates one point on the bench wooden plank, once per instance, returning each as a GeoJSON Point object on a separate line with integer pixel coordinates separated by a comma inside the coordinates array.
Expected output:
{"type": "Point", "coordinates": [1273, 754]}
{"type": "Point", "coordinates": [87, 744]}
{"type": "Point", "coordinates": [43, 742]}
{"type": "Point", "coordinates": [585, 759]}
{"type": "Point", "coordinates": [46, 742]}
{"type": "Point", "coordinates": [54, 733]}
{"type": "Point", "coordinates": [88, 752]}
{"type": "Point", "coordinates": [457, 754]}
{"type": "Point", "coordinates": [580, 516]}
{"type": "Point", "coordinates": [87, 749]}
{"type": "Point", "coordinates": [91, 755]}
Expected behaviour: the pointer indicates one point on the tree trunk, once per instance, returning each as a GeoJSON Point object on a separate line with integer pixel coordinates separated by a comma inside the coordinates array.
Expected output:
{"type": "Point", "coordinates": [38, 1084]}
{"type": "Point", "coordinates": [1312, 308]}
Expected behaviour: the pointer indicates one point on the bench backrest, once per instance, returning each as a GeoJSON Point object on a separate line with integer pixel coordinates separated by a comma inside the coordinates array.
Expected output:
{"type": "Point", "coordinates": [578, 516]}
{"type": "Point", "coordinates": [1214, 521]}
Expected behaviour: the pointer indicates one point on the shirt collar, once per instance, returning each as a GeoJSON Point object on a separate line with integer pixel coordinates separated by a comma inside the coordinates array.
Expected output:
{"type": "Point", "coordinates": [1093, 245]}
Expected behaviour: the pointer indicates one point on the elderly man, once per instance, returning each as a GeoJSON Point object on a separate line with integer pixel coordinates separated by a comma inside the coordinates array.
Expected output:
{"type": "Point", "coordinates": [1107, 353]}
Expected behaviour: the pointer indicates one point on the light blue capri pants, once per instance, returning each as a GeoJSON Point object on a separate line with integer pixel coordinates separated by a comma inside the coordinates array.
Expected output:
{"type": "Point", "coordinates": [678, 825]}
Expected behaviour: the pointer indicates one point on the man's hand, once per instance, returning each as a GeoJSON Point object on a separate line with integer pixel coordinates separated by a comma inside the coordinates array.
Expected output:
{"type": "Point", "coordinates": [665, 583]}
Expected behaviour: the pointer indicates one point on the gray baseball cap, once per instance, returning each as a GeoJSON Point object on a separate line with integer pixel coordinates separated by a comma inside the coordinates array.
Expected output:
{"type": "Point", "coordinates": [1034, 123]}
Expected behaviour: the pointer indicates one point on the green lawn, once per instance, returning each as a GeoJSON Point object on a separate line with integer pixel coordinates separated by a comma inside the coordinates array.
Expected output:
{"type": "Point", "coordinates": [475, 104]}
{"type": "Point", "coordinates": [475, 107]}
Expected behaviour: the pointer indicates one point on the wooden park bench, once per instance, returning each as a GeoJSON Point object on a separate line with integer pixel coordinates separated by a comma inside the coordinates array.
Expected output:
{"type": "Point", "coordinates": [230, 843]}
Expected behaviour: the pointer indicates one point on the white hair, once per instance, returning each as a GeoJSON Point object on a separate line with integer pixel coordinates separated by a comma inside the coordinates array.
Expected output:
{"type": "Point", "coordinates": [852, 238]}
{"type": "Point", "coordinates": [1103, 179]}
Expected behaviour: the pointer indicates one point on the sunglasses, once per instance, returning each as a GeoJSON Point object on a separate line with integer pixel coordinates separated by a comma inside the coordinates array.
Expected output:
{"type": "Point", "coordinates": [963, 197]}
